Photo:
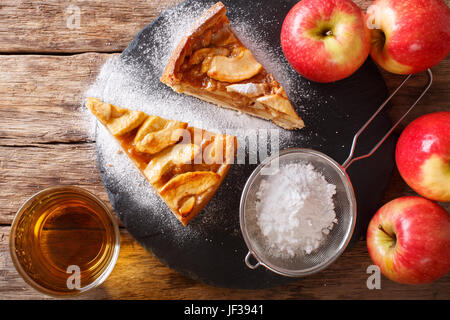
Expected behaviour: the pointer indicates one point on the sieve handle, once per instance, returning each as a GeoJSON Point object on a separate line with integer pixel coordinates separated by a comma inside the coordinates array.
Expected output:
{"type": "Point", "coordinates": [350, 158]}
{"type": "Point", "coordinates": [248, 263]}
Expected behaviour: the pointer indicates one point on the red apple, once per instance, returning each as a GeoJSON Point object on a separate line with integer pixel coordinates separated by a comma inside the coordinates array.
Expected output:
{"type": "Point", "coordinates": [409, 36]}
{"type": "Point", "coordinates": [325, 40]}
{"type": "Point", "coordinates": [423, 155]}
{"type": "Point", "coordinates": [409, 240]}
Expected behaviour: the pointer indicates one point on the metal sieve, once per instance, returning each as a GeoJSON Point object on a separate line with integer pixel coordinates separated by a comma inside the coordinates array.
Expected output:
{"type": "Point", "coordinates": [344, 200]}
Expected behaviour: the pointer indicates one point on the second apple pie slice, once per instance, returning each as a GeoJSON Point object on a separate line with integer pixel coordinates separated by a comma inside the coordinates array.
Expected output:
{"type": "Point", "coordinates": [212, 64]}
{"type": "Point", "coordinates": [185, 165]}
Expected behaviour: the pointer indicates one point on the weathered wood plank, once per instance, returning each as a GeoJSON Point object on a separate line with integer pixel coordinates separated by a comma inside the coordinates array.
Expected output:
{"type": "Point", "coordinates": [147, 278]}
{"type": "Point", "coordinates": [29, 169]}
{"type": "Point", "coordinates": [41, 96]}
{"type": "Point", "coordinates": [53, 25]}
{"type": "Point", "coordinates": [74, 26]}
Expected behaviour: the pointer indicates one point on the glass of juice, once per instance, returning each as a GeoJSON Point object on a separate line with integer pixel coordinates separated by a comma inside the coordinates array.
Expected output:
{"type": "Point", "coordinates": [64, 241]}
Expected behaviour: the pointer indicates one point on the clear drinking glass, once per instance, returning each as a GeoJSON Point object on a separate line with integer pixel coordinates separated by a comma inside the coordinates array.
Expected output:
{"type": "Point", "coordinates": [64, 241]}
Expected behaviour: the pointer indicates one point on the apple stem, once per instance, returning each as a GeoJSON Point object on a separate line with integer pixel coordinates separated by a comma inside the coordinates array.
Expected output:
{"type": "Point", "coordinates": [392, 236]}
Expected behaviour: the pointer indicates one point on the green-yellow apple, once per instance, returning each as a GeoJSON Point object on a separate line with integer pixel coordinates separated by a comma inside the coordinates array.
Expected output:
{"type": "Point", "coordinates": [422, 155]}
{"type": "Point", "coordinates": [325, 40]}
{"type": "Point", "coordinates": [409, 36]}
{"type": "Point", "coordinates": [409, 240]}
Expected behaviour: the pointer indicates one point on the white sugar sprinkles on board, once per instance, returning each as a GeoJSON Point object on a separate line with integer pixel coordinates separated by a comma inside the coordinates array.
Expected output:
{"type": "Point", "coordinates": [123, 82]}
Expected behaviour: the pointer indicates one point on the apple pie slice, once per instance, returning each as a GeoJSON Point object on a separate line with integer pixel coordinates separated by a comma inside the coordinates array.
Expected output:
{"type": "Point", "coordinates": [184, 165]}
{"type": "Point", "coordinates": [212, 64]}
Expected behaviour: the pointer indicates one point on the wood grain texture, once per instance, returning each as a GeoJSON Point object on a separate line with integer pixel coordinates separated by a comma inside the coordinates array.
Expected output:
{"type": "Point", "coordinates": [44, 141]}
{"type": "Point", "coordinates": [49, 26]}
{"type": "Point", "coordinates": [26, 170]}
{"type": "Point", "coordinates": [41, 97]}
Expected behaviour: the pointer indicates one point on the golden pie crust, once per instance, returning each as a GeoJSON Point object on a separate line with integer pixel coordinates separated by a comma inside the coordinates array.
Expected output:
{"type": "Point", "coordinates": [184, 165]}
{"type": "Point", "coordinates": [212, 64]}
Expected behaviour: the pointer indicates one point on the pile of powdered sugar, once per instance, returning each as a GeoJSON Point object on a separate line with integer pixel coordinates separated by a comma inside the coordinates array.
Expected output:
{"type": "Point", "coordinates": [295, 210]}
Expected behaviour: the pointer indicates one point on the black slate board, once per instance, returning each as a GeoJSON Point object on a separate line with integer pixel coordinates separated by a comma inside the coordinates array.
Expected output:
{"type": "Point", "coordinates": [216, 255]}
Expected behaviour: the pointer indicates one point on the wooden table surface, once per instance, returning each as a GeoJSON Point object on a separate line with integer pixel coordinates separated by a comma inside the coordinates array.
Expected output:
{"type": "Point", "coordinates": [47, 62]}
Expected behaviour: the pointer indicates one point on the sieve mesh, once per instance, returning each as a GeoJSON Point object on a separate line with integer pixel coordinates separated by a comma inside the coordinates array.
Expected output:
{"type": "Point", "coordinates": [334, 243]}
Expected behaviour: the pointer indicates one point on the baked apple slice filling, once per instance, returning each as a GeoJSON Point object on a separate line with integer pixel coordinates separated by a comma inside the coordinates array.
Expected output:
{"type": "Point", "coordinates": [184, 165]}
{"type": "Point", "coordinates": [212, 64]}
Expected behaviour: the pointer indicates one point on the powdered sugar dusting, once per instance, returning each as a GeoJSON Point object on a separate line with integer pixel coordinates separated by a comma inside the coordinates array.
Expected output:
{"type": "Point", "coordinates": [133, 82]}
{"type": "Point", "coordinates": [295, 210]}
{"type": "Point", "coordinates": [124, 81]}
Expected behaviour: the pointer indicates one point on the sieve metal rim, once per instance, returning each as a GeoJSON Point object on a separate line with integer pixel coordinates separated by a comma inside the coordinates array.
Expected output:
{"type": "Point", "coordinates": [344, 243]}
{"type": "Point", "coordinates": [19, 266]}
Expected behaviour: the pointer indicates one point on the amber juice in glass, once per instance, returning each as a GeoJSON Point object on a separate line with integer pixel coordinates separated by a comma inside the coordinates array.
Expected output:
{"type": "Point", "coordinates": [64, 241]}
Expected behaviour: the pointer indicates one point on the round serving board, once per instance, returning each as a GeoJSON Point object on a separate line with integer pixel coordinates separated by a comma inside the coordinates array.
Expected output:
{"type": "Point", "coordinates": [211, 248]}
